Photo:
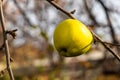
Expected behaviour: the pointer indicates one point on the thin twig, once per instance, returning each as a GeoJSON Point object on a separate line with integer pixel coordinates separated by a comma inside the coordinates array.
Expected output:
{"type": "Point", "coordinates": [109, 22]}
{"type": "Point", "coordinates": [5, 42]}
{"type": "Point", "coordinates": [23, 13]}
{"type": "Point", "coordinates": [70, 15]}
{"type": "Point", "coordinates": [59, 8]}
{"type": "Point", "coordinates": [105, 45]}
{"type": "Point", "coordinates": [111, 44]}
{"type": "Point", "coordinates": [90, 14]}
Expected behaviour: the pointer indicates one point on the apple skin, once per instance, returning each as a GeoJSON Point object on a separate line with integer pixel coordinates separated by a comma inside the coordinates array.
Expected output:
{"type": "Point", "coordinates": [72, 38]}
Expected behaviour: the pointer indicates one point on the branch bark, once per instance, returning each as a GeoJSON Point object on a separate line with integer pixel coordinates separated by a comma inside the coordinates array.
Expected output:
{"type": "Point", "coordinates": [5, 42]}
{"type": "Point", "coordinates": [59, 8]}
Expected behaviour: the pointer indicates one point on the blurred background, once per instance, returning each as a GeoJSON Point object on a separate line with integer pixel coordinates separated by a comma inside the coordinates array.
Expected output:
{"type": "Point", "coordinates": [33, 52]}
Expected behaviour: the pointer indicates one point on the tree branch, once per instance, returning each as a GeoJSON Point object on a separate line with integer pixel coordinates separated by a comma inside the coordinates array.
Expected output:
{"type": "Point", "coordinates": [109, 22]}
{"type": "Point", "coordinates": [59, 8]}
{"type": "Point", "coordinates": [108, 48]}
{"type": "Point", "coordinates": [70, 15]}
{"type": "Point", "coordinates": [111, 44]}
{"type": "Point", "coordinates": [23, 13]}
{"type": "Point", "coordinates": [90, 13]}
{"type": "Point", "coordinates": [5, 42]}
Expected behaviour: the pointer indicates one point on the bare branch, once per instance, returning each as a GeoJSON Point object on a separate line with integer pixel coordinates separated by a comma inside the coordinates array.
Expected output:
{"type": "Point", "coordinates": [5, 42]}
{"type": "Point", "coordinates": [90, 13]}
{"type": "Point", "coordinates": [109, 22]}
{"type": "Point", "coordinates": [2, 72]}
{"type": "Point", "coordinates": [111, 44]}
{"type": "Point", "coordinates": [105, 45]}
{"type": "Point", "coordinates": [100, 40]}
{"type": "Point", "coordinates": [59, 8]}
{"type": "Point", "coordinates": [23, 13]}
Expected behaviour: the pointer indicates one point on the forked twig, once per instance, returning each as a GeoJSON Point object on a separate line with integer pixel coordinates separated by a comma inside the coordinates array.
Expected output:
{"type": "Point", "coordinates": [5, 42]}
{"type": "Point", "coordinates": [99, 39]}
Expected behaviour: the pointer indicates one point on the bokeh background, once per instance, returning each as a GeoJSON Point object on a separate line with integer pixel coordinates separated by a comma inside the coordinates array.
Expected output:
{"type": "Point", "coordinates": [33, 52]}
